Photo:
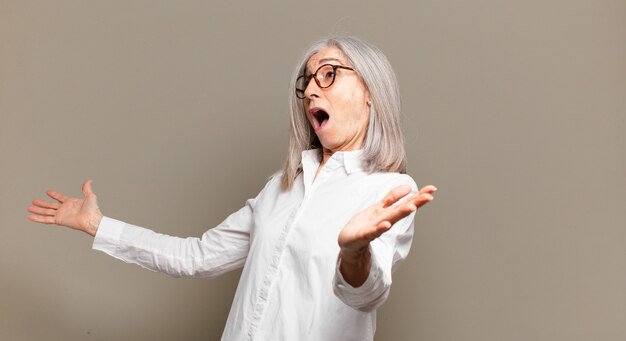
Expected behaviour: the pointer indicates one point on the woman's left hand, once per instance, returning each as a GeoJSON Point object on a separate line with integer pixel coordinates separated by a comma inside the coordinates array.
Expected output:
{"type": "Point", "coordinates": [375, 220]}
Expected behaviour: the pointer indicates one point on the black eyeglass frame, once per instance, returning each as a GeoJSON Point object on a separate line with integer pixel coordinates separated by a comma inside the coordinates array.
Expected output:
{"type": "Point", "coordinates": [300, 92]}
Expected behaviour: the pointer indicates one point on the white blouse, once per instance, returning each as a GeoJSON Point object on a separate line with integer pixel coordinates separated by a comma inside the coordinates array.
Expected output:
{"type": "Point", "coordinates": [286, 241]}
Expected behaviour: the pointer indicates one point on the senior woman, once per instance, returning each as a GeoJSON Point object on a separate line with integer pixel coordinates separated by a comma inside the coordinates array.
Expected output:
{"type": "Point", "coordinates": [320, 241]}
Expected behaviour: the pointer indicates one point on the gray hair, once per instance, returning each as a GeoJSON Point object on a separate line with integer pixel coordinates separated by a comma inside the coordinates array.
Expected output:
{"type": "Point", "coordinates": [383, 150]}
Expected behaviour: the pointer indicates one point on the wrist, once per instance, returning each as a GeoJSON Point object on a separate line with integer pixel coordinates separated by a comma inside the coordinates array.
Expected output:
{"type": "Point", "coordinates": [355, 265]}
{"type": "Point", "coordinates": [93, 223]}
{"type": "Point", "coordinates": [355, 256]}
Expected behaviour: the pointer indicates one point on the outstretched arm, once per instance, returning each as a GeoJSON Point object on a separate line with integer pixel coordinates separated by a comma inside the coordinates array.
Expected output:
{"type": "Point", "coordinates": [371, 223]}
{"type": "Point", "coordinates": [219, 250]}
{"type": "Point", "coordinates": [81, 214]}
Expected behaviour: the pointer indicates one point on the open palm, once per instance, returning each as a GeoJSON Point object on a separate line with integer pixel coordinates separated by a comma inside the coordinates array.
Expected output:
{"type": "Point", "coordinates": [78, 213]}
{"type": "Point", "coordinates": [375, 220]}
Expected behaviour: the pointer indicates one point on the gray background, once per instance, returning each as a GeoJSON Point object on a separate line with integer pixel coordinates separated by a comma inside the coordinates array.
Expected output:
{"type": "Point", "coordinates": [516, 110]}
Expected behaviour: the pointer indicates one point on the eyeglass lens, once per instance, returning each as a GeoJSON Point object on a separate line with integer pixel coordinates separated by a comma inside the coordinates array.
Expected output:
{"type": "Point", "coordinates": [324, 77]}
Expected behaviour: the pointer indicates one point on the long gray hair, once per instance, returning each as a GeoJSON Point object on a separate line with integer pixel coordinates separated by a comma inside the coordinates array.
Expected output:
{"type": "Point", "coordinates": [383, 150]}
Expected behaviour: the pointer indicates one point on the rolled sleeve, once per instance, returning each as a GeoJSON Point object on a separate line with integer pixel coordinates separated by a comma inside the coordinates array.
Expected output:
{"type": "Point", "coordinates": [387, 252]}
{"type": "Point", "coordinates": [369, 295]}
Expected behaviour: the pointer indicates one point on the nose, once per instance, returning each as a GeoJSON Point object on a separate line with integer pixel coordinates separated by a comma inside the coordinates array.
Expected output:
{"type": "Point", "coordinates": [312, 90]}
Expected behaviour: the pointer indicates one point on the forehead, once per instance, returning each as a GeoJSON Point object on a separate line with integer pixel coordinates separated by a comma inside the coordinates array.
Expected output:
{"type": "Point", "coordinates": [328, 55]}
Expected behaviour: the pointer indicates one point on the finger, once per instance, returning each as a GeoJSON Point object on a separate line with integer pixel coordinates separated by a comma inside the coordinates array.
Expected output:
{"type": "Point", "coordinates": [418, 200]}
{"type": "Point", "coordinates": [428, 189]}
{"type": "Point", "coordinates": [424, 194]}
{"type": "Point", "coordinates": [41, 211]}
{"type": "Point", "coordinates": [87, 188]}
{"type": "Point", "coordinates": [408, 206]}
{"type": "Point", "coordinates": [57, 196]}
{"type": "Point", "coordinates": [422, 197]}
{"type": "Point", "coordinates": [396, 194]}
{"type": "Point", "coordinates": [41, 219]}
{"type": "Point", "coordinates": [377, 230]}
{"type": "Point", "coordinates": [383, 226]}
{"type": "Point", "coordinates": [394, 213]}
{"type": "Point", "coordinates": [46, 204]}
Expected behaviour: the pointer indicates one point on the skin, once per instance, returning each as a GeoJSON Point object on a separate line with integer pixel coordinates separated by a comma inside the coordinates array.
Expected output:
{"type": "Point", "coordinates": [347, 102]}
{"type": "Point", "coordinates": [81, 214]}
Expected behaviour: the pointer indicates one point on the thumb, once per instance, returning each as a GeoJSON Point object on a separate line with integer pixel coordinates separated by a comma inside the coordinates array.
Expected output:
{"type": "Point", "coordinates": [87, 188]}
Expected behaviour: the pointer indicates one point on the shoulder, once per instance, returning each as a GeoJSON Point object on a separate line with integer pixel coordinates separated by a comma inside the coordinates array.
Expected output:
{"type": "Point", "coordinates": [388, 180]}
{"type": "Point", "coordinates": [273, 182]}
{"type": "Point", "coordinates": [271, 187]}
{"type": "Point", "coordinates": [374, 186]}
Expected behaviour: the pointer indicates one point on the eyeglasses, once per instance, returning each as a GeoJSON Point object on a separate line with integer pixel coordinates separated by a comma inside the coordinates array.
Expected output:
{"type": "Point", "coordinates": [324, 77]}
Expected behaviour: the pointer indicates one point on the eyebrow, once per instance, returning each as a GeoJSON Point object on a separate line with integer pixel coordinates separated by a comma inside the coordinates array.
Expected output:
{"type": "Point", "coordinates": [321, 62]}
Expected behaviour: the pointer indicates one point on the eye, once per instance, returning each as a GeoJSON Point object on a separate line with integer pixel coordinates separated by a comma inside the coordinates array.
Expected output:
{"type": "Point", "coordinates": [329, 74]}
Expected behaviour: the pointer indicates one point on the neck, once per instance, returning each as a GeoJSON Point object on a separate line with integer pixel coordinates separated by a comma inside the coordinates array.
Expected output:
{"type": "Point", "coordinates": [326, 155]}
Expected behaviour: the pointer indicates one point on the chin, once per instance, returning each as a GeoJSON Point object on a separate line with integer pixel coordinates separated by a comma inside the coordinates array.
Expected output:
{"type": "Point", "coordinates": [325, 143]}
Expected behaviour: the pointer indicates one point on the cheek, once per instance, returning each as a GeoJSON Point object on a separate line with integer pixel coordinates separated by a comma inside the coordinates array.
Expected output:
{"type": "Point", "coordinates": [359, 109]}
{"type": "Point", "coordinates": [353, 107]}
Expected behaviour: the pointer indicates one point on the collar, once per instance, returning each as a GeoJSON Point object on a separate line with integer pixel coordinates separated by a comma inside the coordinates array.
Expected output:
{"type": "Point", "coordinates": [351, 160]}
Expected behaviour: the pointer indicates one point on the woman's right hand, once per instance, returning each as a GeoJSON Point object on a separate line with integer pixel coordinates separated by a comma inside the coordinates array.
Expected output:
{"type": "Point", "coordinates": [81, 214]}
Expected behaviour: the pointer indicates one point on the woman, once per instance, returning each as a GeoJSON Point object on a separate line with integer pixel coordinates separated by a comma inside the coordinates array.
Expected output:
{"type": "Point", "coordinates": [319, 243]}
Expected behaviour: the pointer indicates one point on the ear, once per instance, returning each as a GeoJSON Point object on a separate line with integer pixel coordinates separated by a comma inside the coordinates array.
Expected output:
{"type": "Point", "coordinates": [368, 98]}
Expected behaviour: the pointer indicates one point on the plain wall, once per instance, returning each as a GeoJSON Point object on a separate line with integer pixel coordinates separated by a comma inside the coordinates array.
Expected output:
{"type": "Point", "coordinates": [516, 110]}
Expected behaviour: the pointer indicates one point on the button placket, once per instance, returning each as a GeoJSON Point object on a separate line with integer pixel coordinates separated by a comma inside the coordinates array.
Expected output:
{"type": "Point", "coordinates": [270, 276]}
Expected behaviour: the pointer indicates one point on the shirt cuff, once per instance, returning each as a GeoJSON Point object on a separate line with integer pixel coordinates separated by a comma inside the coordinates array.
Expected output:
{"type": "Point", "coordinates": [108, 235]}
{"type": "Point", "coordinates": [367, 293]}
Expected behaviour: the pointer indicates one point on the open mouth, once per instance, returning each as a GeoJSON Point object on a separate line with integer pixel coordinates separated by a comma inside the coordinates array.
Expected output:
{"type": "Point", "coordinates": [320, 118]}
